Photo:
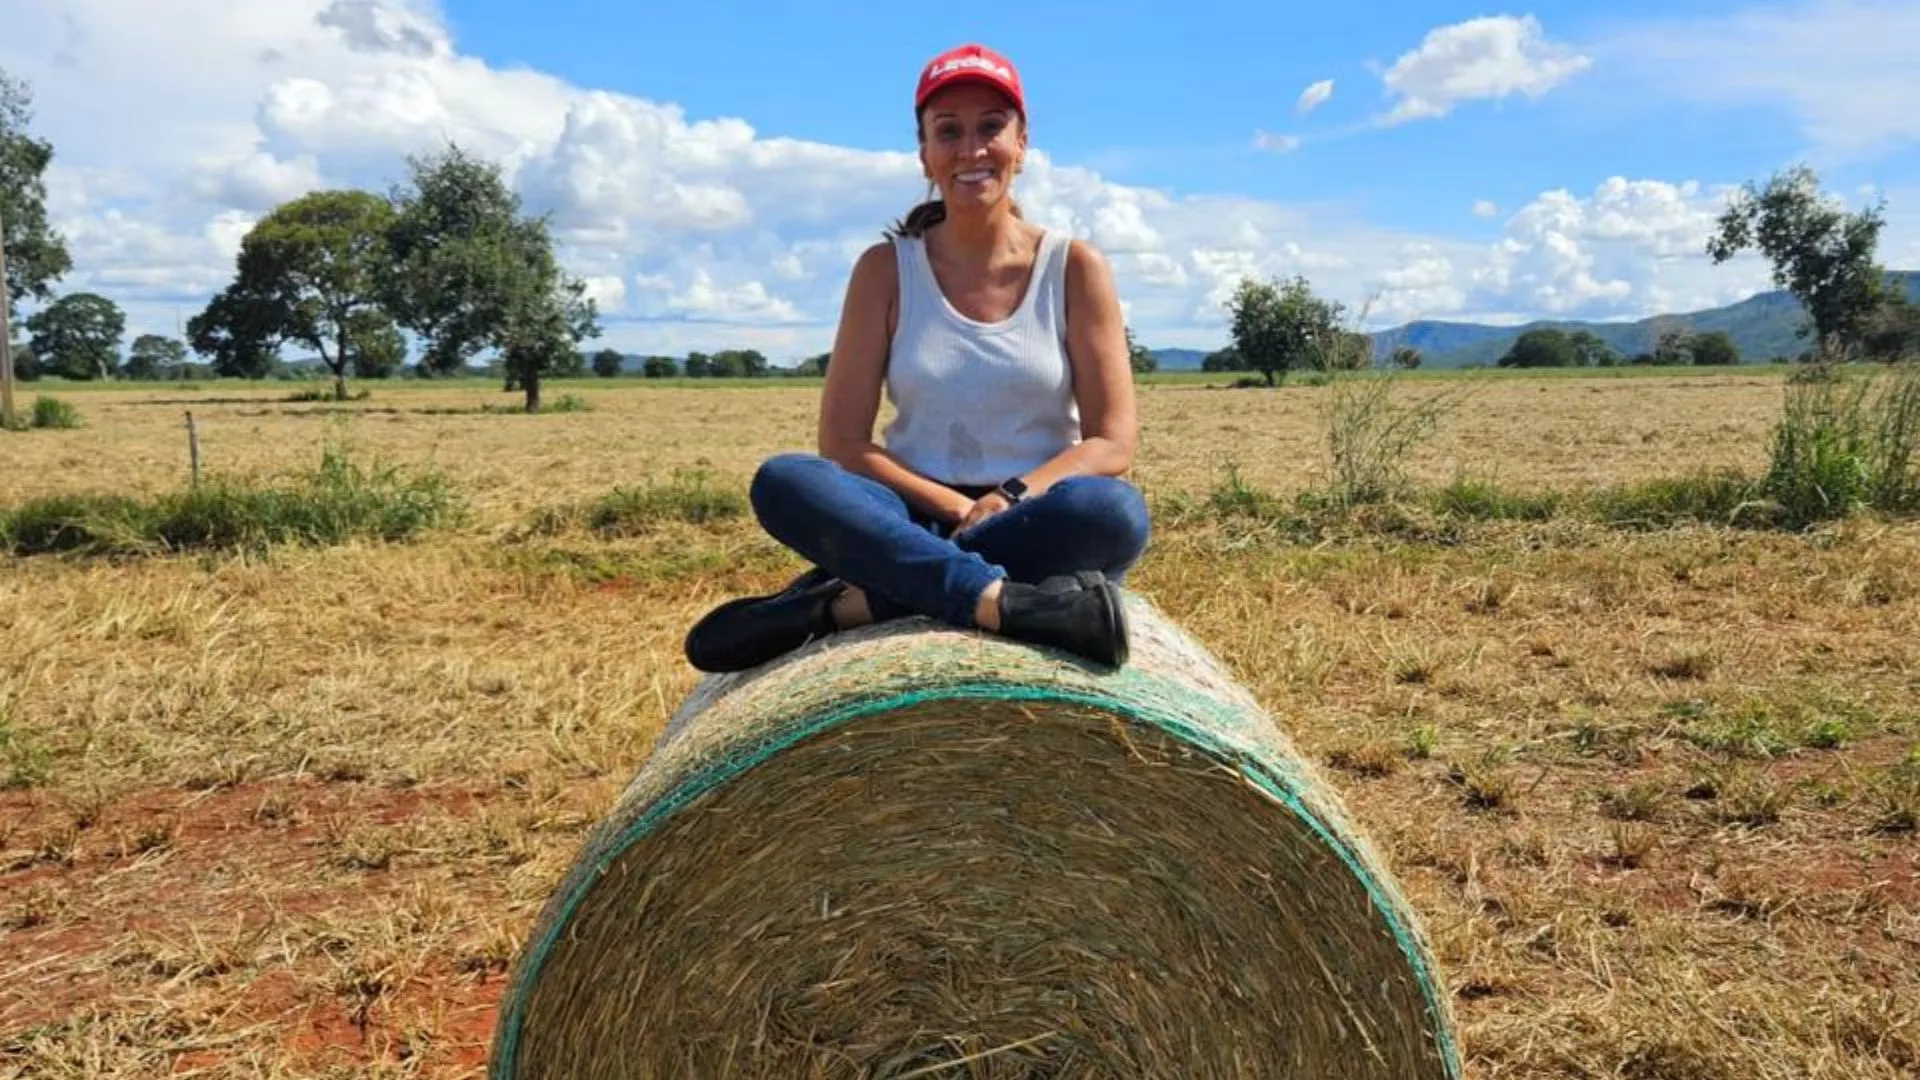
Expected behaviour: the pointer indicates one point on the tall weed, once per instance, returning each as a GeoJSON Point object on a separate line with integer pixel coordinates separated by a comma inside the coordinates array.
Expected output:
{"type": "Point", "coordinates": [1370, 429]}
{"type": "Point", "coordinates": [1845, 441]}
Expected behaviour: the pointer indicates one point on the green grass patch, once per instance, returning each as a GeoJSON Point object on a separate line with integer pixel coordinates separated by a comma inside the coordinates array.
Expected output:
{"type": "Point", "coordinates": [1473, 499]}
{"type": "Point", "coordinates": [688, 497]}
{"type": "Point", "coordinates": [24, 763]}
{"type": "Point", "coordinates": [337, 501]}
{"type": "Point", "coordinates": [1719, 498]}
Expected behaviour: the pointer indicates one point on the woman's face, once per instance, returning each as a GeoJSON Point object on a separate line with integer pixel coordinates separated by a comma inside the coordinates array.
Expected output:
{"type": "Point", "coordinates": [971, 142]}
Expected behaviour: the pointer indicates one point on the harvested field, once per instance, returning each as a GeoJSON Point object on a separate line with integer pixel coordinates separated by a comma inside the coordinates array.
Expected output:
{"type": "Point", "coordinates": [291, 813]}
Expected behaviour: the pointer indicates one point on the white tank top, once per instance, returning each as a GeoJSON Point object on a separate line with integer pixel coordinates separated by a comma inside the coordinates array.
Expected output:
{"type": "Point", "coordinates": [977, 403]}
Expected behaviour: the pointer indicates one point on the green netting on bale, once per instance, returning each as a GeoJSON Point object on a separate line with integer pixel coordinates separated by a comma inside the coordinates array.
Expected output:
{"type": "Point", "coordinates": [1023, 867]}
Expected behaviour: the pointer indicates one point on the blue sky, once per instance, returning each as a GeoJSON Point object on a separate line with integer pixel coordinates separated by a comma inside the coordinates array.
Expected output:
{"type": "Point", "coordinates": [713, 168]}
{"type": "Point", "coordinates": [1167, 95]}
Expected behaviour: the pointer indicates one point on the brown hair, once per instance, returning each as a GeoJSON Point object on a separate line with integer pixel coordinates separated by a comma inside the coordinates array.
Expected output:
{"type": "Point", "coordinates": [933, 211]}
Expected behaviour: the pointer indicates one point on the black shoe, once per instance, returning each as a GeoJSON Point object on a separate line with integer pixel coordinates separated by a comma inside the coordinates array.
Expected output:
{"type": "Point", "coordinates": [752, 630]}
{"type": "Point", "coordinates": [1079, 613]}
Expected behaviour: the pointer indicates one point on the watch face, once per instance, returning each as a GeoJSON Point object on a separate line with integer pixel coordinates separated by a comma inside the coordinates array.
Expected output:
{"type": "Point", "coordinates": [1014, 488]}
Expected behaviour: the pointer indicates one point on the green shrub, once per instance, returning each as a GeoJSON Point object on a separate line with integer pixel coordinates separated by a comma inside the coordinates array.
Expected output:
{"type": "Point", "coordinates": [54, 413]}
{"type": "Point", "coordinates": [336, 502]}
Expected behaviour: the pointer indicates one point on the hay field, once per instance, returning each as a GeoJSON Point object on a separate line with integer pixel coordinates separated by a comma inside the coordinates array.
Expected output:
{"type": "Point", "coordinates": [290, 814]}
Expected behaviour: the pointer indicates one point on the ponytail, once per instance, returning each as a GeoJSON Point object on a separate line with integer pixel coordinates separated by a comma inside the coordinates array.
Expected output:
{"type": "Point", "coordinates": [927, 215]}
{"type": "Point", "coordinates": [919, 219]}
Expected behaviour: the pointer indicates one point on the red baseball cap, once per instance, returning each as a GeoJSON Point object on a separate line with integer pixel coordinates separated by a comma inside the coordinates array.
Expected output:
{"type": "Point", "coordinates": [975, 63]}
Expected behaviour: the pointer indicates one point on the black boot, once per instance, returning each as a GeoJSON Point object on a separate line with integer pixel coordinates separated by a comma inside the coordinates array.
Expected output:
{"type": "Point", "coordinates": [1080, 614]}
{"type": "Point", "coordinates": [752, 630]}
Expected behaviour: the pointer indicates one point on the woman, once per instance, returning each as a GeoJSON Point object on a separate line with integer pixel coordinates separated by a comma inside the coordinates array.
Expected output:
{"type": "Point", "coordinates": [996, 502]}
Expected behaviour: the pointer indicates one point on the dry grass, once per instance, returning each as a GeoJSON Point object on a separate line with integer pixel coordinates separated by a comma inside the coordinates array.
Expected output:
{"type": "Point", "coordinates": [290, 814]}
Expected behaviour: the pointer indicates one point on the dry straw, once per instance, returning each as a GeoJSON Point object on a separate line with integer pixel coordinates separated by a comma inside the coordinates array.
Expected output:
{"type": "Point", "coordinates": [915, 852]}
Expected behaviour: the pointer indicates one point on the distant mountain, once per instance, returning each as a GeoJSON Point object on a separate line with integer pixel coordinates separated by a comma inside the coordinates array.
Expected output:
{"type": "Point", "coordinates": [1179, 359]}
{"type": "Point", "coordinates": [1762, 327]}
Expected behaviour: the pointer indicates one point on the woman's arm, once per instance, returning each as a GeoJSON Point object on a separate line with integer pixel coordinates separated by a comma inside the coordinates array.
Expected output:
{"type": "Point", "coordinates": [856, 372]}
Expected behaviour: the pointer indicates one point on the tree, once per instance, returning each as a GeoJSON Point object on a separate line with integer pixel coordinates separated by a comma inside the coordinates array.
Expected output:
{"type": "Point", "coordinates": [1139, 357]}
{"type": "Point", "coordinates": [1591, 351]}
{"type": "Point", "coordinates": [1715, 348]}
{"type": "Point", "coordinates": [26, 366]}
{"type": "Point", "coordinates": [1278, 326]}
{"type": "Point", "coordinates": [309, 272]}
{"type": "Point", "coordinates": [78, 336]}
{"type": "Point", "coordinates": [1820, 253]}
{"type": "Point", "coordinates": [1406, 358]}
{"type": "Point", "coordinates": [666, 367]}
{"type": "Point", "coordinates": [1893, 333]}
{"type": "Point", "coordinates": [154, 357]}
{"type": "Point", "coordinates": [240, 333]}
{"type": "Point", "coordinates": [470, 273]}
{"type": "Point", "coordinates": [699, 366]}
{"type": "Point", "coordinates": [36, 253]}
{"type": "Point", "coordinates": [1227, 359]}
{"type": "Point", "coordinates": [1673, 345]}
{"type": "Point", "coordinates": [1545, 347]}
{"type": "Point", "coordinates": [377, 346]}
{"type": "Point", "coordinates": [1352, 351]}
{"type": "Point", "coordinates": [607, 363]}
{"type": "Point", "coordinates": [739, 364]}
{"type": "Point", "coordinates": [542, 327]}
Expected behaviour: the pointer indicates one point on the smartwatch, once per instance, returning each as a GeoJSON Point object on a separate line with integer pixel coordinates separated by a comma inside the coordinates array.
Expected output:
{"type": "Point", "coordinates": [1012, 490]}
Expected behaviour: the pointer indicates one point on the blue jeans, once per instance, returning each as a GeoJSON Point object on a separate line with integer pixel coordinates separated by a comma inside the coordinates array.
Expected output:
{"type": "Point", "coordinates": [864, 533]}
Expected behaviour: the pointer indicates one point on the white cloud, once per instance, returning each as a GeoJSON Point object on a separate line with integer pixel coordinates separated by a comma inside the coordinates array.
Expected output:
{"type": "Point", "coordinates": [1315, 96]}
{"type": "Point", "coordinates": [1845, 70]}
{"type": "Point", "coordinates": [1283, 144]}
{"type": "Point", "coordinates": [1485, 58]}
{"type": "Point", "coordinates": [1631, 248]}
{"type": "Point", "coordinates": [368, 26]}
{"type": "Point", "coordinates": [257, 181]}
{"type": "Point", "coordinates": [703, 300]}
{"type": "Point", "coordinates": [1423, 283]}
{"type": "Point", "coordinates": [607, 291]}
{"type": "Point", "coordinates": [1485, 208]}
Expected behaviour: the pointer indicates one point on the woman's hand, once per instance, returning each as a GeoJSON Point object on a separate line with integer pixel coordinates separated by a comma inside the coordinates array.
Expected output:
{"type": "Point", "coordinates": [983, 508]}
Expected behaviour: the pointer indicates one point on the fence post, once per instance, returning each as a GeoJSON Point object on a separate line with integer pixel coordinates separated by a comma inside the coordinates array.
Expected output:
{"type": "Point", "coordinates": [193, 447]}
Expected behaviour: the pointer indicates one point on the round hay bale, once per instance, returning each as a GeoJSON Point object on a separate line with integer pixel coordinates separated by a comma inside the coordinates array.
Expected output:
{"type": "Point", "coordinates": [911, 851]}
